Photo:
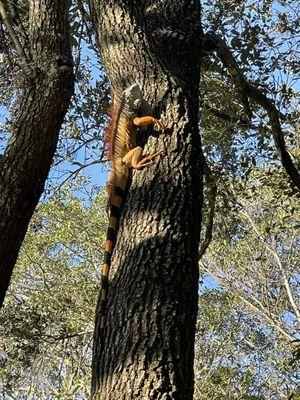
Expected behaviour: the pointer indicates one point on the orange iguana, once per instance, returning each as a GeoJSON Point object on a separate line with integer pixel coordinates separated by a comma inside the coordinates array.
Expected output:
{"type": "Point", "coordinates": [120, 142]}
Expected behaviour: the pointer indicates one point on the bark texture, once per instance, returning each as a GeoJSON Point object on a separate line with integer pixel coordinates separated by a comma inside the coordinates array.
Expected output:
{"type": "Point", "coordinates": [147, 347]}
{"type": "Point", "coordinates": [35, 127]}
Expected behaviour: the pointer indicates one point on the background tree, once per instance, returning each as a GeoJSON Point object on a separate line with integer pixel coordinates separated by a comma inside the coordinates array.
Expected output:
{"type": "Point", "coordinates": [47, 323]}
{"type": "Point", "coordinates": [44, 65]}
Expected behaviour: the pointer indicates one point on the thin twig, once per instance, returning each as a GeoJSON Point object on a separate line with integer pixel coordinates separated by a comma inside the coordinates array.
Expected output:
{"type": "Point", "coordinates": [68, 336]}
{"type": "Point", "coordinates": [260, 309]}
{"type": "Point", "coordinates": [286, 284]}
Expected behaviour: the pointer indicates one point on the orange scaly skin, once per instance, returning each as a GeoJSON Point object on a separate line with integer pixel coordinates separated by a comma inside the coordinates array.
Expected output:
{"type": "Point", "coordinates": [123, 156]}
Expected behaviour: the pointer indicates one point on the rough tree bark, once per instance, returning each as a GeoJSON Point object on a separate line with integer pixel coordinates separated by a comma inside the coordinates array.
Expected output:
{"type": "Point", "coordinates": [147, 347]}
{"type": "Point", "coordinates": [35, 126]}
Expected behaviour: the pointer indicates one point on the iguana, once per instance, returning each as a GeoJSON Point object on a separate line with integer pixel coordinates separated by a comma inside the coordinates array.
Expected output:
{"type": "Point", "coordinates": [123, 153]}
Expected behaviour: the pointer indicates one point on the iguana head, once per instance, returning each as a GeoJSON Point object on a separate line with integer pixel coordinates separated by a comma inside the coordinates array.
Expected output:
{"type": "Point", "coordinates": [133, 97]}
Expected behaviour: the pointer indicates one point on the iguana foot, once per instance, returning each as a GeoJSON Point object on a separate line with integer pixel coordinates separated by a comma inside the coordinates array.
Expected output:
{"type": "Point", "coordinates": [148, 159]}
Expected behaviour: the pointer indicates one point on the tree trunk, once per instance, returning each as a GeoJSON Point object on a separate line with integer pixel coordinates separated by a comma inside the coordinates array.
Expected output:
{"type": "Point", "coordinates": [146, 350]}
{"type": "Point", "coordinates": [35, 127]}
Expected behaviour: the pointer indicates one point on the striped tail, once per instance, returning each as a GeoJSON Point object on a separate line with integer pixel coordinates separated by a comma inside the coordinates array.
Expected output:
{"type": "Point", "coordinates": [115, 204]}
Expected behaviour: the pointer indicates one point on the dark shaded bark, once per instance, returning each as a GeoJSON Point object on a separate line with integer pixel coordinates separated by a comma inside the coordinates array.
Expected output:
{"type": "Point", "coordinates": [147, 347]}
{"type": "Point", "coordinates": [35, 127]}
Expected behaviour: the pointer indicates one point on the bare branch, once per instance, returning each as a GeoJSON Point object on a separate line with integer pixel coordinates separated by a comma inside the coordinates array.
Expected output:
{"type": "Point", "coordinates": [258, 307]}
{"type": "Point", "coordinates": [68, 336]}
{"type": "Point", "coordinates": [74, 173]}
{"type": "Point", "coordinates": [286, 284]}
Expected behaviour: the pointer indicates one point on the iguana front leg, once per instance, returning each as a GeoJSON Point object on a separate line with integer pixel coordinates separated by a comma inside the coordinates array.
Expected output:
{"type": "Point", "coordinates": [143, 122]}
{"type": "Point", "coordinates": [134, 158]}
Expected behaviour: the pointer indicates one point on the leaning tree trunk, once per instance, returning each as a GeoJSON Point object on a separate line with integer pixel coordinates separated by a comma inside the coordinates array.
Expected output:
{"type": "Point", "coordinates": [147, 347]}
{"type": "Point", "coordinates": [47, 90]}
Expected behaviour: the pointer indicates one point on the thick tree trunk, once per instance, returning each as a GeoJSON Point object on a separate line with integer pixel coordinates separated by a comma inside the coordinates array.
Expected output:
{"type": "Point", "coordinates": [36, 124]}
{"type": "Point", "coordinates": [147, 347]}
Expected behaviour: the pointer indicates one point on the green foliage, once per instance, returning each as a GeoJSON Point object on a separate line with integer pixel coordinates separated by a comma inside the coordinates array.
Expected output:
{"type": "Point", "coordinates": [248, 333]}
{"type": "Point", "coordinates": [47, 322]}
{"type": "Point", "coordinates": [237, 355]}
{"type": "Point", "coordinates": [264, 38]}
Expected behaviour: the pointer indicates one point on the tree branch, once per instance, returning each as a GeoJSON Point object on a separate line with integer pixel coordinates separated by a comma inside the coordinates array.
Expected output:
{"type": "Point", "coordinates": [212, 187]}
{"type": "Point", "coordinates": [258, 307]}
{"type": "Point", "coordinates": [21, 52]}
{"type": "Point", "coordinates": [247, 90]}
{"type": "Point", "coordinates": [286, 284]}
{"type": "Point", "coordinates": [239, 120]}
{"type": "Point", "coordinates": [67, 336]}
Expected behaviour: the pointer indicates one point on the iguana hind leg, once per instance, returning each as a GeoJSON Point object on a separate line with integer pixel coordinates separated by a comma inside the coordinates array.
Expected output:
{"type": "Point", "coordinates": [134, 158]}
